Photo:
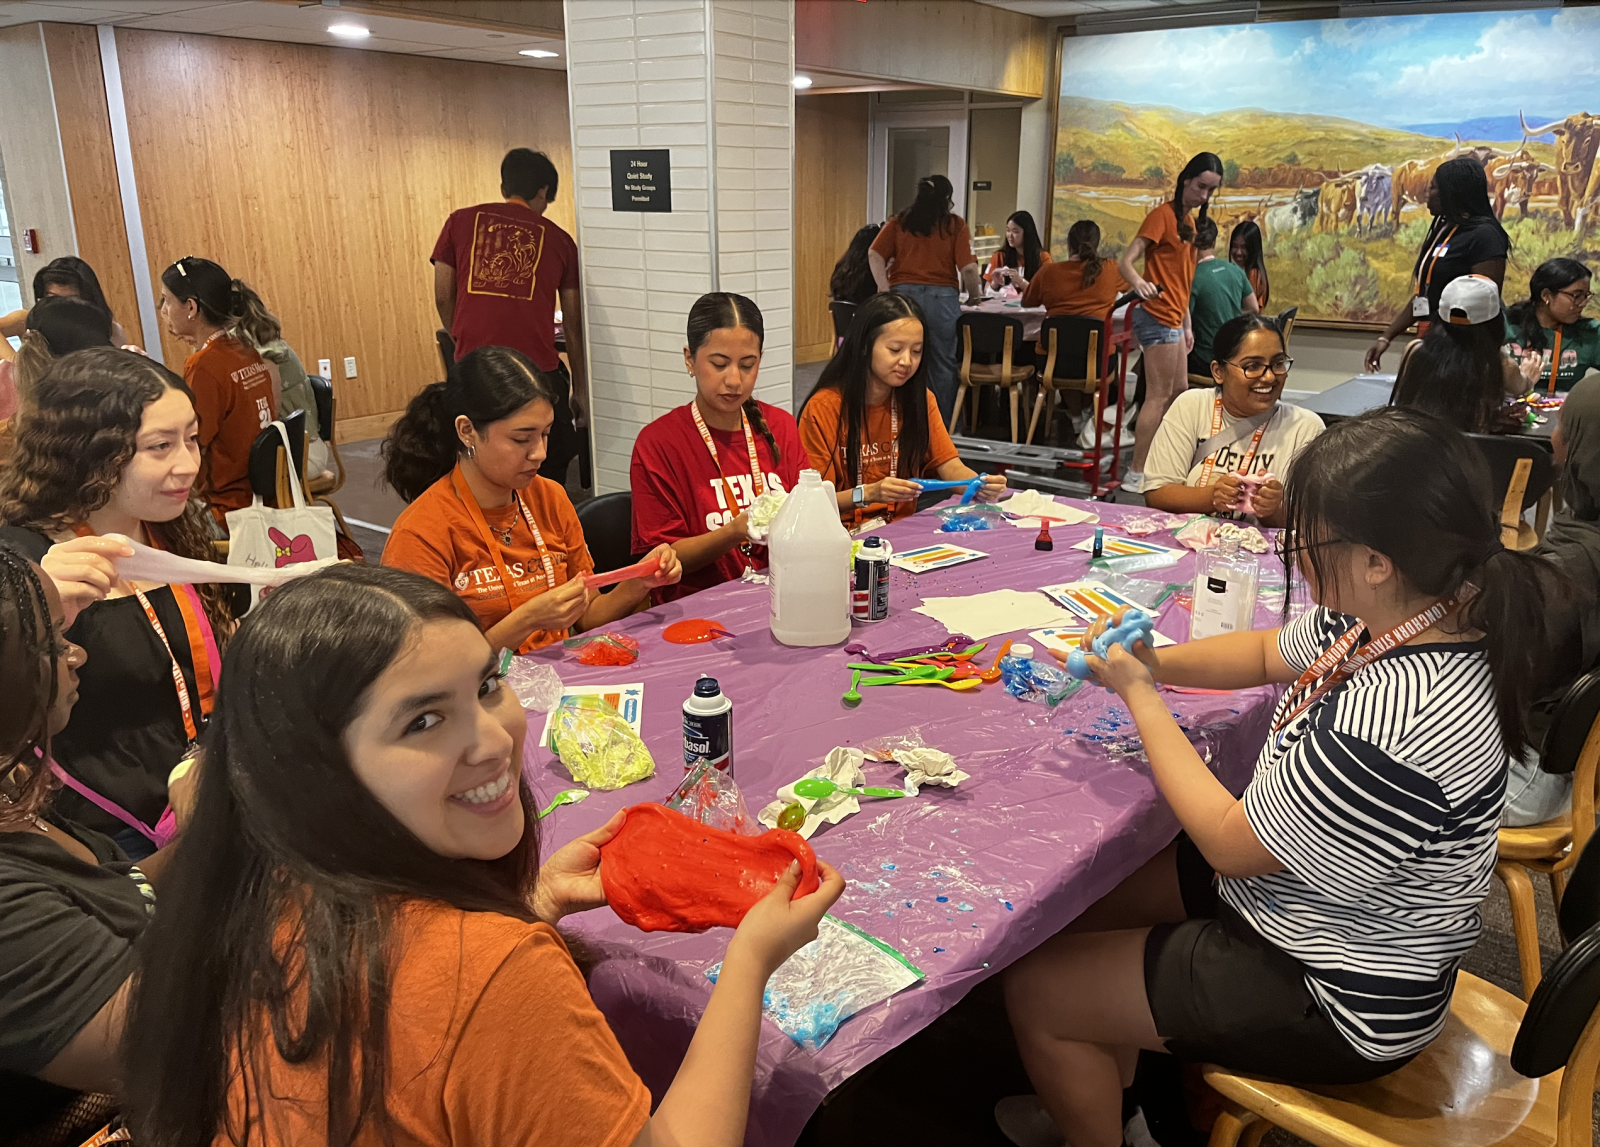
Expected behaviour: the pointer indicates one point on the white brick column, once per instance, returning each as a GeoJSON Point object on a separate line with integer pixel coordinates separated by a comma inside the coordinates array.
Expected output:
{"type": "Point", "coordinates": [646, 74]}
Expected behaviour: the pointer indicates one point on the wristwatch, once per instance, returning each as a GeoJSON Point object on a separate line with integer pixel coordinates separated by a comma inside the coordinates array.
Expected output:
{"type": "Point", "coordinates": [859, 496]}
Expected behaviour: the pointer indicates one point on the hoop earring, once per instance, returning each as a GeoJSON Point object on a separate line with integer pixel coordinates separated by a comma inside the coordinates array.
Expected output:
{"type": "Point", "coordinates": [472, 451]}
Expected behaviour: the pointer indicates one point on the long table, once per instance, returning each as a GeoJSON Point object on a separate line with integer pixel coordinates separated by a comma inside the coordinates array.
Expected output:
{"type": "Point", "coordinates": [1369, 391]}
{"type": "Point", "coordinates": [1059, 809]}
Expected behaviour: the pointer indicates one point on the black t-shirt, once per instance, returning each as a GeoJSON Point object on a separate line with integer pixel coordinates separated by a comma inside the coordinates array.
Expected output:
{"type": "Point", "coordinates": [126, 731]}
{"type": "Point", "coordinates": [67, 934]}
{"type": "Point", "coordinates": [1452, 250]}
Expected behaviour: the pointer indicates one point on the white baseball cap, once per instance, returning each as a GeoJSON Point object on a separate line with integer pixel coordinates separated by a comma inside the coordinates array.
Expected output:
{"type": "Point", "coordinates": [1469, 300]}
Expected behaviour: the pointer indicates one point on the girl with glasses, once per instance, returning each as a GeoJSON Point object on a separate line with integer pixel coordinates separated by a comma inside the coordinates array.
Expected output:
{"type": "Point", "coordinates": [1548, 326]}
{"type": "Point", "coordinates": [1213, 438]}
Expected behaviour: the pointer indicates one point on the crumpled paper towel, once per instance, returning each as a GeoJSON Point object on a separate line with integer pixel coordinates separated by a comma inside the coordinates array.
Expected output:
{"type": "Point", "coordinates": [1028, 502]}
{"type": "Point", "coordinates": [928, 766]}
{"type": "Point", "coordinates": [842, 766]}
{"type": "Point", "coordinates": [1205, 533]}
{"type": "Point", "coordinates": [761, 513]}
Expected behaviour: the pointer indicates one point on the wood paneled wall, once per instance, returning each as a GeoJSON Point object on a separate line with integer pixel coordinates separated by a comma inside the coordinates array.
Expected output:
{"type": "Point", "coordinates": [830, 205]}
{"type": "Point", "coordinates": [321, 177]}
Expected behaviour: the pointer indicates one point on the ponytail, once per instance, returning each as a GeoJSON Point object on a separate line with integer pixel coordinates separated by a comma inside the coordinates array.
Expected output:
{"type": "Point", "coordinates": [490, 384]}
{"type": "Point", "coordinates": [252, 322]}
{"type": "Point", "coordinates": [32, 363]}
{"type": "Point", "coordinates": [1518, 591]}
{"type": "Point", "coordinates": [1083, 244]}
{"type": "Point", "coordinates": [752, 411]}
{"type": "Point", "coordinates": [223, 301]}
{"type": "Point", "coordinates": [1197, 166]}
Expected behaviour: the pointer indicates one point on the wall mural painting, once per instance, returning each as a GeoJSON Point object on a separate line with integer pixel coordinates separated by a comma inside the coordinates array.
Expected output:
{"type": "Point", "coordinates": [1330, 131]}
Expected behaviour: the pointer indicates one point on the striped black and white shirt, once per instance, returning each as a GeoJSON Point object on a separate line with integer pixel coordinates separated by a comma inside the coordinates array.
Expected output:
{"type": "Point", "coordinates": [1382, 802]}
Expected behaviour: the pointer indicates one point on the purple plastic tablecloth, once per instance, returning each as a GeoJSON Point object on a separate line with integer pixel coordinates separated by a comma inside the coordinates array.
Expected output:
{"type": "Point", "coordinates": [1059, 809]}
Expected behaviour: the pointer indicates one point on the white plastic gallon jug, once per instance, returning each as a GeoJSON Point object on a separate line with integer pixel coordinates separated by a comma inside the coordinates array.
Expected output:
{"type": "Point", "coordinates": [808, 550]}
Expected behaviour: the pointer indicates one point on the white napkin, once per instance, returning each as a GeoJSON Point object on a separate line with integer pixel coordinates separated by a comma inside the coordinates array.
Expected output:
{"type": "Point", "coordinates": [1031, 502]}
{"type": "Point", "coordinates": [982, 615]}
{"type": "Point", "coordinates": [842, 766]}
{"type": "Point", "coordinates": [928, 766]}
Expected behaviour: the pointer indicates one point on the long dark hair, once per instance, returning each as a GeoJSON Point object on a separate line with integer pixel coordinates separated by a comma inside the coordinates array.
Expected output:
{"type": "Point", "coordinates": [1254, 260]}
{"type": "Point", "coordinates": [70, 271]}
{"type": "Point", "coordinates": [852, 278]}
{"type": "Point", "coordinates": [1415, 489]}
{"type": "Point", "coordinates": [1463, 198]}
{"type": "Point", "coordinates": [1456, 374]}
{"type": "Point", "coordinates": [285, 836]}
{"type": "Point", "coordinates": [849, 371]}
{"type": "Point", "coordinates": [723, 310]}
{"type": "Point", "coordinates": [491, 383]}
{"type": "Point", "coordinates": [224, 301]}
{"type": "Point", "coordinates": [71, 449]}
{"type": "Point", "coordinates": [1555, 276]}
{"type": "Point", "coordinates": [1083, 243]}
{"type": "Point", "coordinates": [930, 211]}
{"type": "Point", "coordinates": [28, 642]}
{"type": "Point", "coordinates": [57, 325]}
{"type": "Point", "coordinates": [1200, 164]}
{"type": "Point", "coordinates": [1030, 245]}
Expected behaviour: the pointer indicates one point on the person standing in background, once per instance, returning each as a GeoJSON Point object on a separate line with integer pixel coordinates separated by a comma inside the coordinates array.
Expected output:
{"type": "Point", "coordinates": [1221, 292]}
{"type": "Point", "coordinates": [923, 252]}
{"type": "Point", "coordinates": [498, 271]}
{"type": "Point", "coordinates": [1244, 252]}
{"type": "Point", "coordinates": [1161, 322]}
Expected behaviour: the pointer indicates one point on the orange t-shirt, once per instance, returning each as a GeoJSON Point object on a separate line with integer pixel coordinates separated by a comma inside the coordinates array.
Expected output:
{"type": "Point", "coordinates": [1259, 286]}
{"type": "Point", "coordinates": [493, 1039]}
{"type": "Point", "coordinates": [436, 537]}
{"type": "Point", "coordinates": [825, 436]}
{"type": "Point", "coordinates": [1169, 262]}
{"type": "Point", "coordinates": [935, 259]}
{"type": "Point", "coordinates": [1059, 289]}
{"type": "Point", "coordinates": [998, 260]}
{"type": "Point", "coordinates": [233, 401]}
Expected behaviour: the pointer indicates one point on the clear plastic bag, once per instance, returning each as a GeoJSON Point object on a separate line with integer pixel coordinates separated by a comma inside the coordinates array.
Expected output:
{"type": "Point", "coordinates": [1029, 679]}
{"type": "Point", "coordinates": [711, 796]}
{"type": "Point", "coordinates": [536, 684]}
{"type": "Point", "coordinates": [974, 516]}
{"type": "Point", "coordinates": [603, 648]}
{"type": "Point", "coordinates": [841, 972]}
{"type": "Point", "coordinates": [597, 746]}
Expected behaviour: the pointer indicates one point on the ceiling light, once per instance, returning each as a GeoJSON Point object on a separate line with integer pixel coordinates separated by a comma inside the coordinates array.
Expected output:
{"type": "Point", "coordinates": [349, 31]}
{"type": "Point", "coordinates": [802, 81]}
{"type": "Point", "coordinates": [538, 53]}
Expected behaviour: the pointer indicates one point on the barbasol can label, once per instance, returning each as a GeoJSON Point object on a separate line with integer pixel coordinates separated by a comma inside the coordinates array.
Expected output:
{"type": "Point", "coordinates": [708, 736]}
{"type": "Point", "coordinates": [869, 589]}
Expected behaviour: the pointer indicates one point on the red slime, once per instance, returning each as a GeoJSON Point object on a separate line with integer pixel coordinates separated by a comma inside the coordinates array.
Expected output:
{"type": "Point", "coordinates": [694, 630]}
{"type": "Point", "coordinates": [609, 649]}
{"type": "Point", "coordinates": [664, 872]}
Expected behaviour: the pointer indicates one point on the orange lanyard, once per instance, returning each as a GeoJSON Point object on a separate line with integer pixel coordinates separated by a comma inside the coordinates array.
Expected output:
{"type": "Point", "coordinates": [1340, 664]}
{"type": "Point", "coordinates": [749, 444]}
{"type": "Point", "coordinates": [514, 598]}
{"type": "Point", "coordinates": [1433, 250]}
{"type": "Point", "coordinates": [1216, 428]}
{"type": "Point", "coordinates": [194, 628]}
{"type": "Point", "coordinates": [1555, 361]}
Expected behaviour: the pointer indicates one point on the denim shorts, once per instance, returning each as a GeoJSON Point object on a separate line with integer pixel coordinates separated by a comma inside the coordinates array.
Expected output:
{"type": "Point", "coordinates": [1151, 333]}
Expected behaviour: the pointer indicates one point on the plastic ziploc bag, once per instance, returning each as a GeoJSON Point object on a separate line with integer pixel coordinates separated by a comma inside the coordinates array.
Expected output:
{"type": "Point", "coordinates": [974, 516]}
{"type": "Point", "coordinates": [710, 795]}
{"type": "Point", "coordinates": [841, 972]}
{"type": "Point", "coordinates": [535, 683]}
{"type": "Point", "coordinates": [598, 747]}
{"type": "Point", "coordinates": [603, 648]}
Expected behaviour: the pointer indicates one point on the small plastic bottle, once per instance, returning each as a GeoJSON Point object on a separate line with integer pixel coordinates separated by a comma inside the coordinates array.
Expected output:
{"type": "Point", "coordinates": [1036, 681]}
{"type": "Point", "coordinates": [1225, 585]}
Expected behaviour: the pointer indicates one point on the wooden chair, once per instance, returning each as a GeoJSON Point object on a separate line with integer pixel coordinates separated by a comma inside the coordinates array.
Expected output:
{"type": "Point", "coordinates": [1501, 1072]}
{"type": "Point", "coordinates": [843, 313]}
{"type": "Point", "coordinates": [1525, 470]}
{"type": "Point", "coordinates": [1070, 347]}
{"type": "Point", "coordinates": [269, 473]}
{"type": "Point", "coordinates": [989, 337]}
{"type": "Point", "coordinates": [1572, 745]}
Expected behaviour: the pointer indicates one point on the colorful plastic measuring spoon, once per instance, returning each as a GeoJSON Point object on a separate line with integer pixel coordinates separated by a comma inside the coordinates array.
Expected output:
{"type": "Point", "coordinates": [853, 697]}
{"type": "Point", "coordinates": [815, 788]}
{"type": "Point", "coordinates": [570, 796]}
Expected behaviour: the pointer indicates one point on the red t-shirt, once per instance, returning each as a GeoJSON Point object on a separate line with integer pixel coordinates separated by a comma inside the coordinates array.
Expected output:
{"type": "Point", "coordinates": [509, 263]}
{"type": "Point", "coordinates": [677, 494]}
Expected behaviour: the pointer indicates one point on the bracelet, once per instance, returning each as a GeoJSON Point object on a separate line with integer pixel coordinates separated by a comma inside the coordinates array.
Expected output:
{"type": "Point", "coordinates": [1385, 339]}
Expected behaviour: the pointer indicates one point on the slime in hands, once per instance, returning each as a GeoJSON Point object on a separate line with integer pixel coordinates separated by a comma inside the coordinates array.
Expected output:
{"type": "Point", "coordinates": [1136, 627]}
{"type": "Point", "coordinates": [663, 872]}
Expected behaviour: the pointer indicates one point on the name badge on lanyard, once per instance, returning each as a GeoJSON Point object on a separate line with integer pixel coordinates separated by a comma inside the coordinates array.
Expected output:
{"type": "Point", "coordinates": [1419, 306]}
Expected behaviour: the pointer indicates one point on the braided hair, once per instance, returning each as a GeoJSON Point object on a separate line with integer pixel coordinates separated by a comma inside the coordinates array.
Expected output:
{"type": "Point", "coordinates": [27, 669]}
{"type": "Point", "coordinates": [724, 310]}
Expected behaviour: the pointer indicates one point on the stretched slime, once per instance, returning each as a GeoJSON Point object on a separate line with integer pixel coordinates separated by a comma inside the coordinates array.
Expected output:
{"type": "Point", "coordinates": [1136, 627]}
{"type": "Point", "coordinates": [664, 872]}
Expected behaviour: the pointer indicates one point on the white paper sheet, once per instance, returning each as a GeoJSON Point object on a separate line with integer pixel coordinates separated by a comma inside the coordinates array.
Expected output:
{"type": "Point", "coordinates": [148, 564]}
{"type": "Point", "coordinates": [983, 615]}
{"type": "Point", "coordinates": [1028, 502]}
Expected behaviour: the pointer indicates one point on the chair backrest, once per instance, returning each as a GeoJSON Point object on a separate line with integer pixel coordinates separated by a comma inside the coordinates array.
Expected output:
{"type": "Point", "coordinates": [1502, 451]}
{"type": "Point", "coordinates": [1074, 341]}
{"type": "Point", "coordinates": [1558, 1029]}
{"type": "Point", "coordinates": [447, 348]}
{"type": "Point", "coordinates": [1571, 725]}
{"type": "Point", "coordinates": [1580, 902]}
{"type": "Point", "coordinates": [988, 333]}
{"type": "Point", "coordinates": [607, 523]}
{"type": "Point", "coordinates": [842, 313]}
{"type": "Point", "coordinates": [264, 453]}
{"type": "Point", "coordinates": [322, 394]}
{"type": "Point", "coordinates": [1286, 324]}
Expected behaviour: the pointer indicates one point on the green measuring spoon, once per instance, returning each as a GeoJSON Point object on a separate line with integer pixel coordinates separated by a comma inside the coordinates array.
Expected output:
{"type": "Point", "coordinates": [570, 796]}
{"type": "Point", "coordinates": [815, 788]}
{"type": "Point", "coordinates": [853, 697]}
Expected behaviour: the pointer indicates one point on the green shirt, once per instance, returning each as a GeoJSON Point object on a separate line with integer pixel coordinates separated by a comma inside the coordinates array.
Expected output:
{"type": "Point", "coordinates": [1219, 291]}
{"type": "Point", "coordinates": [1580, 351]}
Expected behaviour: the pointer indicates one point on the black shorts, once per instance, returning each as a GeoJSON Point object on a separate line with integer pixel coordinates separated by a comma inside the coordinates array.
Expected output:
{"type": "Point", "coordinates": [1222, 993]}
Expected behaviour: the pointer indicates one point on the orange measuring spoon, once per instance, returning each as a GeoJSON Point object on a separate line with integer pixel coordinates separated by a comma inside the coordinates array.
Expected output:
{"type": "Point", "coordinates": [993, 672]}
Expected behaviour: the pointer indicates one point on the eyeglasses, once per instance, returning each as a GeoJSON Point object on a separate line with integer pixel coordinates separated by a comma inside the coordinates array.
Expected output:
{"type": "Point", "coordinates": [1255, 371]}
{"type": "Point", "coordinates": [1580, 298]}
{"type": "Point", "coordinates": [1288, 543]}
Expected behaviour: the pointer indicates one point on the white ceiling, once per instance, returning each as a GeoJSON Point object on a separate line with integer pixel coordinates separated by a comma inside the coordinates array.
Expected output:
{"type": "Point", "coordinates": [294, 24]}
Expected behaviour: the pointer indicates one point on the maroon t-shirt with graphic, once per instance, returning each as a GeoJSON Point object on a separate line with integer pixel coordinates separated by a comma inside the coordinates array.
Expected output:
{"type": "Point", "coordinates": [677, 493]}
{"type": "Point", "coordinates": [509, 263]}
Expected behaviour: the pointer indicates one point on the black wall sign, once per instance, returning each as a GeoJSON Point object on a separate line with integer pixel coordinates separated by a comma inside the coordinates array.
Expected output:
{"type": "Point", "coordinates": [981, 185]}
{"type": "Point", "coordinates": [641, 180]}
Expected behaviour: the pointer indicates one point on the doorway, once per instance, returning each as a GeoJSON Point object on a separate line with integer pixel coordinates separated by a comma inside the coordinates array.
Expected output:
{"type": "Point", "coordinates": [909, 143]}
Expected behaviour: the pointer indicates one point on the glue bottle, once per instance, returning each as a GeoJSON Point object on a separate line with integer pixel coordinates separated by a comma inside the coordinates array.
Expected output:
{"type": "Point", "coordinates": [708, 727]}
{"type": "Point", "coordinates": [1225, 586]}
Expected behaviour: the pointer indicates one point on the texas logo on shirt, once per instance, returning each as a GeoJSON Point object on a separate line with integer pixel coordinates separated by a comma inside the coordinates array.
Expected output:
{"type": "Point", "coordinates": [484, 581]}
{"type": "Point", "coordinates": [505, 256]}
{"type": "Point", "coordinates": [744, 492]}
